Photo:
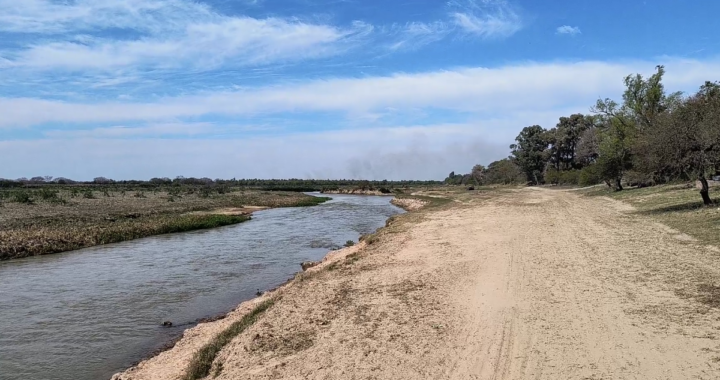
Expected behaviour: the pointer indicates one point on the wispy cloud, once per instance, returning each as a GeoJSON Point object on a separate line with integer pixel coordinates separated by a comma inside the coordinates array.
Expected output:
{"type": "Point", "coordinates": [486, 18]}
{"type": "Point", "coordinates": [165, 34]}
{"type": "Point", "coordinates": [534, 86]}
{"type": "Point", "coordinates": [414, 35]}
{"type": "Point", "coordinates": [567, 29]}
{"type": "Point", "coordinates": [53, 17]}
{"type": "Point", "coordinates": [151, 130]}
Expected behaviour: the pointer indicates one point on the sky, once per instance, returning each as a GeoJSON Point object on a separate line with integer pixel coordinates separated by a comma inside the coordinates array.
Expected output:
{"type": "Point", "coordinates": [318, 89]}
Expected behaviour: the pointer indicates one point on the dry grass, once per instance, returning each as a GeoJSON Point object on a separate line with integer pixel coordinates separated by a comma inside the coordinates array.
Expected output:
{"type": "Point", "coordinates": [678, 206]}
{"type": "Point", "coordinates": [36, 223]}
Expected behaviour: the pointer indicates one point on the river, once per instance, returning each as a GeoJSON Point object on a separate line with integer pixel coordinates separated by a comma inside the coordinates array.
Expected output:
{"type": "Point", "coordinates": [86, 314]}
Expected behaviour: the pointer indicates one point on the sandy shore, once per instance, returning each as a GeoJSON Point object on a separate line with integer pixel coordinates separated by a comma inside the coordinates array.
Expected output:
{"type": "Point", "coordinates": [530, 283]}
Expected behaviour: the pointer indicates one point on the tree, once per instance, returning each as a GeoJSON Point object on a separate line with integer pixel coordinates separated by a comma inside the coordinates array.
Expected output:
{"type": "Point", "coordinates": [450, 180]}
{"type": "Point", "coordinates": [504, 172]}
{"type": "Point", "coordinates": [530, 154]}
{"type": "Point", "coordinates": [102, 180]}
{"type": "Point", "coordinates": [615, 153]}
{"type": "Point", "coordinates": [685, 141]}
{"type": "Point", "coordinates": [478, 174]}
{"type": "Point", "coordinates": [565, 138]}
{"type": "Point", "coordinates": [645, 99]}
{"type": "Point", "coordinates": [588, 148]}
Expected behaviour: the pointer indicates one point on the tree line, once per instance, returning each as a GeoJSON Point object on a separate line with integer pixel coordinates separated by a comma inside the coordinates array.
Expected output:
{"type": "Point", "coordinates": [292, 184]}
{"type": "Point", "coordinates": [649, 137]}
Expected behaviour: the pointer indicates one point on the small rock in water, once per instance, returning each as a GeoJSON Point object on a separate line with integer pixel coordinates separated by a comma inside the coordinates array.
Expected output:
{"type": "Point", "coordinates": [167, 324]}
{"type": "Point", "coordinates": [258, 293]}
{"type": "Point", "coordinates": [308, 264]}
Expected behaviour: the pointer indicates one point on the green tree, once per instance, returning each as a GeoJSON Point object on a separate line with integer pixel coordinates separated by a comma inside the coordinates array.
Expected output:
{"type": "Point", "coordinates": [615, 151]}
{"type": "Point", "coordinates": [530, 153]}
{"type": "Point", "coordinates": [567, 136]}
{"type": "Point", "coordinates": [504, 172]}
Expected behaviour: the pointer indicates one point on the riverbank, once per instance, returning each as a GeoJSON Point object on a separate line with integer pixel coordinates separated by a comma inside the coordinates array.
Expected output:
{"type": "Point", "coordinates": [40, 222]}
{"type": "Point", "coordinates": [509, 284]}
{"type": "Point", "coordinates": [358, 192]}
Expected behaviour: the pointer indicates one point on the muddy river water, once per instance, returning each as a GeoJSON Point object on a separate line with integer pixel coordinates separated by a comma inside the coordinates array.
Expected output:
{"type": "Point", "coordinates": [86, 314]}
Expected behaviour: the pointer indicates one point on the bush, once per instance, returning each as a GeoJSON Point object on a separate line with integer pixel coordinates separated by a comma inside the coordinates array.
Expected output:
{"type": "Point", "coordinates": [562, 177]}
{"type": "Point", "coordinates": [569, 177]}
{"type": "Point", "coordinates": [589, 176]}
{"type": "Point", "coordinates": [50, 196]}
{"type": "Point", "coordinates": [88, 194]}
{"type": "Point", "coordinates": [23, 197]}
{"type": "Point", "coordinates": [552, 176]}
{"type": "Point", "coordinates": [349, 243]}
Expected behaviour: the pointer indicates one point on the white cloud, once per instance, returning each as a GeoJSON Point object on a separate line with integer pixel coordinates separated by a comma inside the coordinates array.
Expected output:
{"type": "Point", "coordinates": [486, 18]}
{"type": "Point", "coordinates": [203, 46]}
{"type": "Point", "coordinates": [487, 26]}
{"type": "Point", "coordinates": [156, 130]}
{"type": "Point", "coordinates": [417, 34]}
{"type": "Point", "coordinates": [51, 17]}
{"type": "Point", "coordinates": [567, 29]}
{"type": "Point", "coordinates": [174, 33]}
{"type": "Point", "coordinates": [523, 87]}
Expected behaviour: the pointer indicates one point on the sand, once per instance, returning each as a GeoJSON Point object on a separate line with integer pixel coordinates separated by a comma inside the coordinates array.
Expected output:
{"type": "Point", "coordinates": [528, 284]}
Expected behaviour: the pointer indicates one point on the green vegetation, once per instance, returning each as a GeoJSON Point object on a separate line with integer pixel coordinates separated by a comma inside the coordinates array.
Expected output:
{"type": "Point", "coordinates": [649, 138]}
{"type": "Point", "coordinates": [208, 186]}
{"type": "Point", "coordinates": [202, 362]}
{"type": "Point", "coordinates": [51, 218]}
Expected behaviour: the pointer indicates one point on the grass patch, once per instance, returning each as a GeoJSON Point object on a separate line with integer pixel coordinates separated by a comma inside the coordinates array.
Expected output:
{"type": "Point", "coordinates": [201, 363]}
{"type": "Point", "coordinates": [42, 241]}
{"type": "Point", "coordinates": [52, 219]}
{"type": "Point", "coordinates": [678, 206]}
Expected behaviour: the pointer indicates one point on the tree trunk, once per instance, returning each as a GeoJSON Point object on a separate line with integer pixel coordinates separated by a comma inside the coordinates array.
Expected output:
{"type": "Point", "coordinates": [705, 190]}
{"type": "Point", "coordinates": [618, 185]}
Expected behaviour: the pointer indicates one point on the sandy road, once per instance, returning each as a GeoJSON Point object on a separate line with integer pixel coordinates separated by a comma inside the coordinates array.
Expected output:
{"type": "Point", "coordinates": [530, 284]}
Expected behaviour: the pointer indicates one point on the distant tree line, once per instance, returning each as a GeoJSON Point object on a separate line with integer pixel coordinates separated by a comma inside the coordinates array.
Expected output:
{"type": "Point", "coordinates": [650, 137]}
{"type": "Point", "coordinates": [263, 184]}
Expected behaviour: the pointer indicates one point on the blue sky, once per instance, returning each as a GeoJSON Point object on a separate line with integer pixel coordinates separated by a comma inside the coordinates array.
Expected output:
{"type": "Point", "coordinates": [318, 89]}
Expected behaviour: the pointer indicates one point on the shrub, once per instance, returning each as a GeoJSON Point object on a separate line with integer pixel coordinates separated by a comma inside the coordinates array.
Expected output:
{"type": "Point", "coordinates": [349, 243]}
{"type": "Point", "coordinates": [569, 177]}
{"type": "Point", "coordinates": [552, 176]}
{"type": "Point", "coordinates": [589, 176]}
{"type": "Point", "coordinates": [23, 197]}
{"type": "Point", "coordinates": [50, 196]}
{"type": "Point", "coordinates": [88, 194]}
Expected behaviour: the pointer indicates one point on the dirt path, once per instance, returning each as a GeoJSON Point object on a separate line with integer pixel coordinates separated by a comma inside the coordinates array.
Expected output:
{"type": "Point", "coordinates": [531, 284]}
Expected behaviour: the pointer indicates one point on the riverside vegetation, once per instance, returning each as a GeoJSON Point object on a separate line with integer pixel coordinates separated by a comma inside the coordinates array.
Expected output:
{"type": "Point", "coordinates": [651, 137]}
{"type": "Point", "coordinates": [38, 219]}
